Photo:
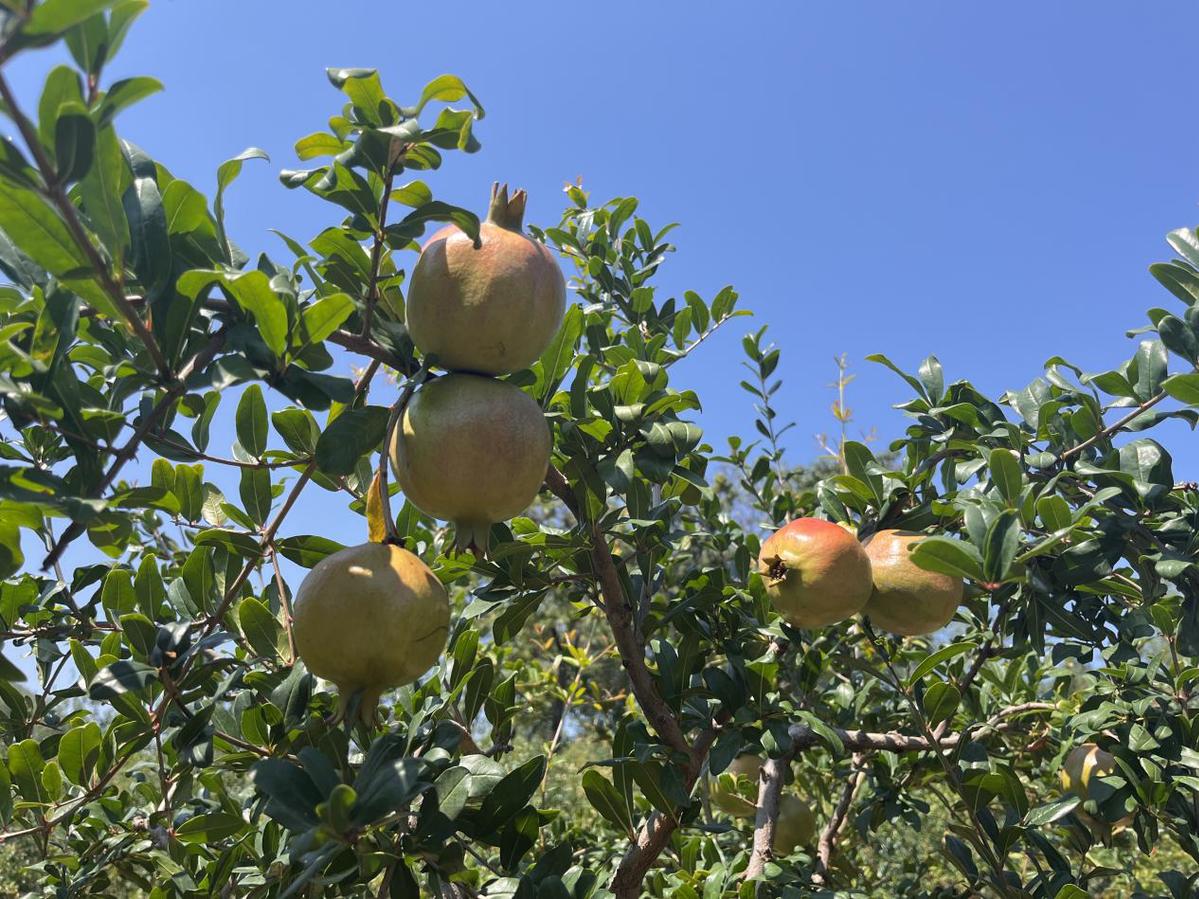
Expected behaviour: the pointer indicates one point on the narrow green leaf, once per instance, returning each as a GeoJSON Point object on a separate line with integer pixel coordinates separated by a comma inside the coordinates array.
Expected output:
{"type": "Point", "coordinates": [259, 626]}
{"type": "Point", "coordinates": [251, 421]}
{"type": "Point", "coordinates": [932, 660]}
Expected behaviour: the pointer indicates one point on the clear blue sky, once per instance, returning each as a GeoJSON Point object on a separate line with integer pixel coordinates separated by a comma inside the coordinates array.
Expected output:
{"type": "Point", "coordinates": [984, 182]}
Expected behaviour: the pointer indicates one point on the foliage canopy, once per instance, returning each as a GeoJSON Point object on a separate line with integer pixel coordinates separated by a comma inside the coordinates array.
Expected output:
{"type": "Point", "coordinates": [615, 650]}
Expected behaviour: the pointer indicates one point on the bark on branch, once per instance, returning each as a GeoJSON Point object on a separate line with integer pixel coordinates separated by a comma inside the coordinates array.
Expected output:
{"type": "Point", "coordinates": [619, 612]}
{"type": "Point", "coordinates": [836, 823]}
{"type": "Point", "coordinates": [770, 791]}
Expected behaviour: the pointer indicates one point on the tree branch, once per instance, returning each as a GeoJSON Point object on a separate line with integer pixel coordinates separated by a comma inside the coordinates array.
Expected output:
{"type": "Point", "coordinates": [655, 833]}
{"type": "Point", "coordinates": [770, 790]}
{"type": "Point", "coordinates": [1113, 428]}
{"type": "Point", "coordinates": [832, 830]}
{"type": "Point", "coordinates": [619, 613]}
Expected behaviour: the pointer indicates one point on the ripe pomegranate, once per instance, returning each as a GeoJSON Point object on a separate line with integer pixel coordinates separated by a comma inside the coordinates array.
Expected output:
{"type": "Point", "coordinates": [491, 308]}
{"type": "Point", "coordinates": [471, 450]}
{"type": "Point", "coordinates": [740, 798]}
{"type": "Point", "coordinates": [816, 572]}
{"type": "Point", "coordinates": [907, 600]}
{"type": "Point", "coordinates": [369, 618]}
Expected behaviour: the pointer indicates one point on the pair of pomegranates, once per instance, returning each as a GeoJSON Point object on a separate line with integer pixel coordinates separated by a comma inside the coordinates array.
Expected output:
{"type": "Point", "coordinates": [469, 449]}
{"type": "Point", "coordinates": [817, 573]}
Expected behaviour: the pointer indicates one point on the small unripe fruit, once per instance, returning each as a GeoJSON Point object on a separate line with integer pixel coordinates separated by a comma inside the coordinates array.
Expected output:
{"type": "Point", "coordinates": [369, 618]}
{"type": "Point", "coordinates": [906, 599]}
{"type": "Point", "coordinates": [816, 572]}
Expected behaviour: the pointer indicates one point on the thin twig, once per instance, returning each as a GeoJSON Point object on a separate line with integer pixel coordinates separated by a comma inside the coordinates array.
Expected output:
{"type": "Point", "coordinates": [372, 296]}
{"type": "Point", "coordinates": [1113, 428]}
{"type": "Point", "coordinates": [619, 612]}
{"type": "Point", "coordinates": [285, 602]}
{"type": "Point", "coordinates": [836, 823]}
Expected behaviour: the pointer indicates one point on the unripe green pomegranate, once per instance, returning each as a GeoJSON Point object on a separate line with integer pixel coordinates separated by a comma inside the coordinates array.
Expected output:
{"type": "Point", "coordinates": [796, 825]}
{"type": "Point", "coordinates": [906, 599]}
{"type": "Point", "coordinates": [369, 618]}
{"type": "Point", "coordinates": [740, 797]}
{"type": "Point", "coordinates": [816, 572]}
{"type": "Point", "coordinates": [471, 450]}
{"type": "Point", "coordinates": [491, 308]}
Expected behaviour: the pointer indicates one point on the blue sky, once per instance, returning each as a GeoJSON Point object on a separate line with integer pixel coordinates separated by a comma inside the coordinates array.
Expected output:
{"type": "Point", "coordinates": [983, 182]}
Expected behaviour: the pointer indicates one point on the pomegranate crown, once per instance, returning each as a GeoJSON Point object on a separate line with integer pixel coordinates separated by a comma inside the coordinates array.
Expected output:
{"type": "Point", "coordinates": [504, 211]}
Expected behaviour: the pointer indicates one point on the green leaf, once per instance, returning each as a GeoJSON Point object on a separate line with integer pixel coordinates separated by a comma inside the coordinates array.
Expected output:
{"type": "Point", "coordinates": [412, 194]}
{"type": "Point", "coordinates": [446, 89]}
{"type": "Point", "coordinates": [351, 436]}
{"type": "Point", "coordinates": [1000, 545]}
{"type": "Point", "coordinates": [78, 751]}
{"type": "Point", "coordinates": [606, 800]}
{"type": "Point", "coordinates": [25, 764]}
{"type": "Point", "coordinates": [510, 795]}
{"type": "Point", "coordinates": [932, 660]}
{"type": "Point", "coordinates": [56, 16]}
{"type": "Point", "coordinates": [437, 211]}
{"type": "Point", "coordinates": [123, 94]}
{"type": "Point", "coordinates": [118, 596]}
{"type": "Point", "coordinates": [1178, 279]}
{"type": "Point", "coordinates": [1184, 388]}
{"type": "Point", "coordinates": [140, 631]}
{"type": "Point", "coordinates": [948, 556]}
{"type": "Point", "coordinates": [1070, 891]}
{"type": "Point", "coordinates": [298, 429]}
{"type": "Point", "coordinates": [387, 788]}
{"type": "Point", "coordinates": [226, 173]}
{"type": "Point", "coordinates": [209, 828]}
{"type": "Point", "coordinates": [74, 142]}
{"type": "Point", "coordinates": [1006, 474]}
{"type": "Point", "coordinates": [1052, 811]}
{"type": "Point", "coordinates": [559, 356]}
{"type": "Point", "coordinates": [37, 231]}
{"type": "Point", "coordinates": [325, 316]}
{"type": "Point", "coordinates": [121, 677]}
{"type": "Point", "coordinates": [255, 490]}
{"type": "Point", "coordinates": [251, 421]}
{"type": "Point", "coordinates": [253, 293]}
{"type": "Point", "coordinates": [941, 701]}
{"type": "Point", "coordinates": [88, 43]}
{"type": "Point", "coordinates": [101, 191]}
{"type": "Point", "coordinates": [365, 91]}
{"type": "Point", "coordinates": [260, 627]}
{"type": "Point", "coordinates": [307, 550]}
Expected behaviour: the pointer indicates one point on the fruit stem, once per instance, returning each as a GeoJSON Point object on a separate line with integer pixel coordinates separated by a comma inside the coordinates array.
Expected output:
{"type": "Point", "coordinates": [504, 211]}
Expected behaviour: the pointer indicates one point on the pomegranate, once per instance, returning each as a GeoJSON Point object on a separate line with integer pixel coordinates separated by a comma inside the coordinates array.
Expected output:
{"type": "Point", "coordinates": [816, 572]}
{"type": "Point", "coordinates": [736, 789]}
{"type": "Point", "coordinates": [1087, 761]}
{"type": "Point", "coordinates": [369, 618]}
{"type": "Point", "coordinates": [796, 825]}
{"type": "Point", "coordinates": [906, 599]}
{"type": "Point", "coordinates": [471, 450]}
{"type": "Point", "coordinates": [491, 308]}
